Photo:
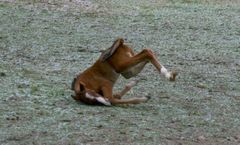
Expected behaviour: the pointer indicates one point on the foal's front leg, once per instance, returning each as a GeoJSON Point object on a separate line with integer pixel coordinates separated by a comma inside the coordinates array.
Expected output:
{"type": "Point", "coordinates": [127, 88]}
{"type": "Point", "coordinates": [107, 93]}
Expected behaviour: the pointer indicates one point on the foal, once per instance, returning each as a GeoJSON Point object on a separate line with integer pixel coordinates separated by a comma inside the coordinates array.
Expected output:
{"type": "Point", "coordinates": [94, 86]}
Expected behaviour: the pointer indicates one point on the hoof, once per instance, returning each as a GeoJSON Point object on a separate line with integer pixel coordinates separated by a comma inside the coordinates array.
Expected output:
{"type": "Point", "coordinates": [173, 76]}
{"type": "Point", "coordinates": [148, 97]}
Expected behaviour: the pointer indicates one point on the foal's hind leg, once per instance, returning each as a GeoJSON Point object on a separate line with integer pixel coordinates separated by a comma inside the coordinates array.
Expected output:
{"type": "Point", "coordinates": [125, 90]}
{"type": "Point", "coordinates": [133, 65]}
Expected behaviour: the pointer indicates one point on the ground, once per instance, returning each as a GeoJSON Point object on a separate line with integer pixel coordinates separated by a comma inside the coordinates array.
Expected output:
{"type": "Point", "coordinates": [45, 43]}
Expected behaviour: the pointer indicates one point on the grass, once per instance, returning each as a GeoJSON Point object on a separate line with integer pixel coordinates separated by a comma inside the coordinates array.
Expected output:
{"type": "Point", "coordinates": [44, 44]}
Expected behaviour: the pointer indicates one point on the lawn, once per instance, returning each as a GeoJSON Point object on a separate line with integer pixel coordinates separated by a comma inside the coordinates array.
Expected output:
{"type": "Point", "coordinates": [45, 43]}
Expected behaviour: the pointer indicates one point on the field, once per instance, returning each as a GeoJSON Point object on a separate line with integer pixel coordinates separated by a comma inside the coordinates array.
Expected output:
{"type": "Point", "coordinates": [45, 43]}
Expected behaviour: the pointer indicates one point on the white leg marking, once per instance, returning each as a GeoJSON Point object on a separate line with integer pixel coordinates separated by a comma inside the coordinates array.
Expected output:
{"type": "Point", "coordinates": [103, 101]}
{"type": "Point", "coordinates": [89, 96]}
{"type": "Point", "coordinates": [165, 72]}
{"type": "Point", "coordinates": [99, 99]}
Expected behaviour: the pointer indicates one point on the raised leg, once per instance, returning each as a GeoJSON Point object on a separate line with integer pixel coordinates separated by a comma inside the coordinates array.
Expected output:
{"type": "Point", "coordinates": [133, 65]}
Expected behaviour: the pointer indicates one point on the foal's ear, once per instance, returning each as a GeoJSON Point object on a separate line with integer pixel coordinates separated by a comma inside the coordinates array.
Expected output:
{"type": "Point", "coordinates": [116, 44]}
{"type": "Point", "coordinates": [73, 83]}
{"type": "Point", "coordinates": [110, 51]}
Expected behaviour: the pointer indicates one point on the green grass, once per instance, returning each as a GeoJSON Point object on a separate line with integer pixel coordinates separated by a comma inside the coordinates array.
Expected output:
{"type": "Point", "coordinates": [44, 45]}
